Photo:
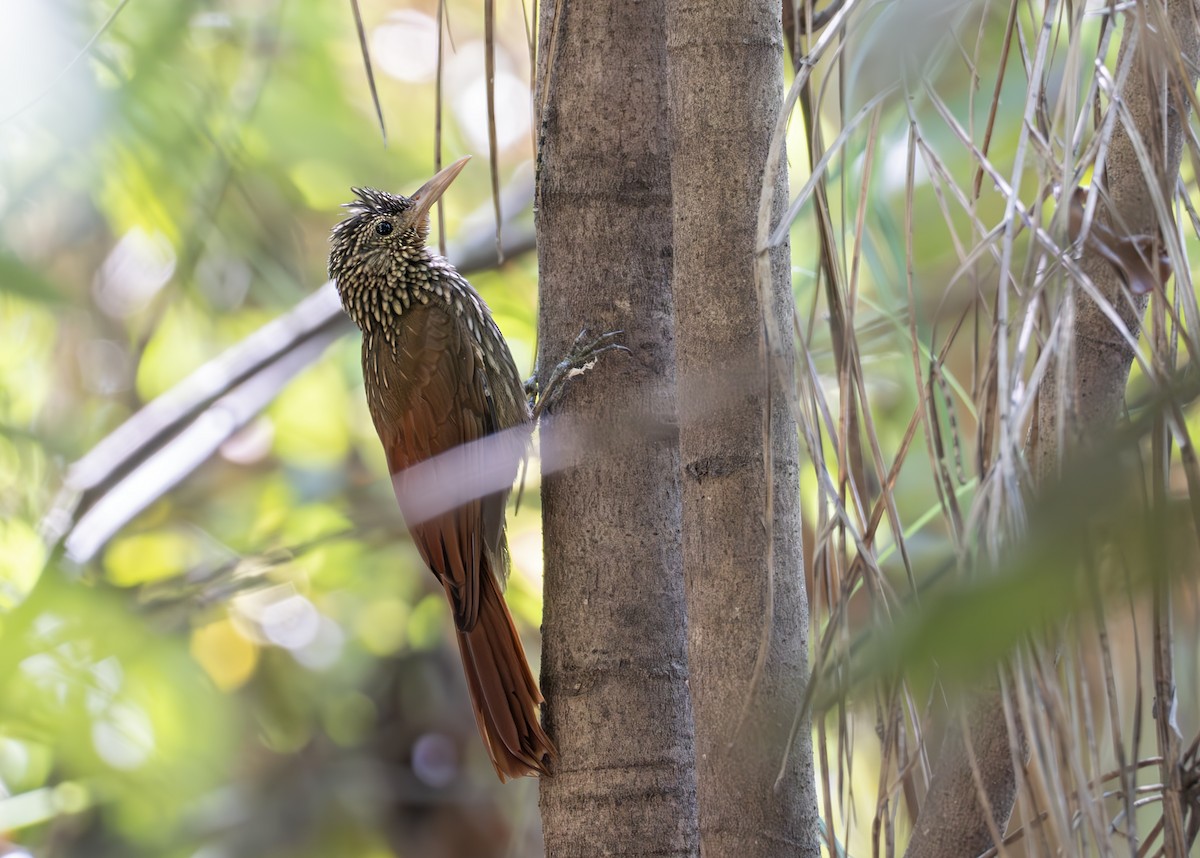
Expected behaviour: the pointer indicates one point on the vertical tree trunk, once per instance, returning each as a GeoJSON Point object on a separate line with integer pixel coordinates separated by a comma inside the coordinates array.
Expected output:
{"type": "Point", "coordinates": [952, 822]}
{"type": "Point", "coordinates": [748, 622]}
{"type": "Point", "coordinates": [614, 660]}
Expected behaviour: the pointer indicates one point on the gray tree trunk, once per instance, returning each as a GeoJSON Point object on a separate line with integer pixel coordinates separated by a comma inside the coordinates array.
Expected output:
{"type": "Point", "coordinates": [614, 663]}
{"type": "Point", "coordinates": [725, 68]}
{"type": "Point", "coordinates": [952, 822]}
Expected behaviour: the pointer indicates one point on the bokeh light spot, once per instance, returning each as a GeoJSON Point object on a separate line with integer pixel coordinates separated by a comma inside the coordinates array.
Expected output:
{"type": "Point", "coordinates": [124, 737]}
{"type": "Point", "coordinates": [225, 654]}
{"type": "Point", "coordinates": [348, 718]}
{"type": "Point", "coordinates": [138, 266]}
{"type": "Point", "coordinates": [324, 650]}
{"type": "Point", "coordinates": [425, 622]}
{"type": "Point", "coordinates": [22, 555]}
{"type": "Point", "coordinates": [104, 367]}
{"type": "Point", "coordinates": [435, 759]}
{"type": "Point", "coordinates": [291, 622]}
{"type": "Point", "coordinates": [382, 626]}
{"type": "Point", "coordinates": [145, 557]}
{"type": "Point", "coordinates": [405, 46]}
{"type": "Point", "coordinates": [512, 111]}
{"type": "Point", "coordinates": [71, 797]}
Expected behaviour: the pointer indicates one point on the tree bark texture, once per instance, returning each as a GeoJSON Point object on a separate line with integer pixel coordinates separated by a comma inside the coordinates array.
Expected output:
{"type": "Point", "coordinates": [725, 70]}
{"type": "Point", "coordinates": [614, 659]}
{"type": "Point", "coordinates": [952, 823]}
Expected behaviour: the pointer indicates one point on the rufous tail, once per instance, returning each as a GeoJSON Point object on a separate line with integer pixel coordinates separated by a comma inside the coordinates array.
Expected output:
{"type": "Point", "coordinates": [504, 693]}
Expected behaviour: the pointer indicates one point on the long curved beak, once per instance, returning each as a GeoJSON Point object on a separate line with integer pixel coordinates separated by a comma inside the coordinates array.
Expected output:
{"type": "Point", "coordinates": [429, 193]}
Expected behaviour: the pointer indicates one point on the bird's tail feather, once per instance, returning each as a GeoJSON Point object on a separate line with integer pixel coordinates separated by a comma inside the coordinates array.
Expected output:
{"type": "Point", "coordinates": [504, 694]}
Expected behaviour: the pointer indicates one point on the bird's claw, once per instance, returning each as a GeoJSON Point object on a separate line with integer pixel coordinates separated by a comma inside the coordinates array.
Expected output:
{"type": "Point", "coordinates": [583, 354]}
{"type": "Point", "coordinates": [579, 359]}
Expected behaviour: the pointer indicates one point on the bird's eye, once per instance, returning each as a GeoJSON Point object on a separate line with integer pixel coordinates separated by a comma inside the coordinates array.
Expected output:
{"type": "Point", "coordinates": [384, 227]}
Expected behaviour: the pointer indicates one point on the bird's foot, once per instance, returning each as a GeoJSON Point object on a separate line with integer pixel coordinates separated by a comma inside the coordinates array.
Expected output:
{"type": "Point", "coordinates": [580, 359]}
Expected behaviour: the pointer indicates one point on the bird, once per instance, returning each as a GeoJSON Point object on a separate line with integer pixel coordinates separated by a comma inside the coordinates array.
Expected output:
{"type": "Point", "coordinates": [438, 374]}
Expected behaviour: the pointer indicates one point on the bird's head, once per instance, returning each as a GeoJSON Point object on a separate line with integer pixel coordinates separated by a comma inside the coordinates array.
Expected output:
{"type": "Point", "coordinates": [382, 226]}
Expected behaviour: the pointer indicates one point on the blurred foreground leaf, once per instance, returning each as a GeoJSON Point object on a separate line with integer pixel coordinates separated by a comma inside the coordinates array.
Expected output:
{"type": "Point", "coordinates": [1088, 536]}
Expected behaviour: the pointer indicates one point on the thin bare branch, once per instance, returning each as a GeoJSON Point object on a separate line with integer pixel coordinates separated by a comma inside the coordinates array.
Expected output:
{"type": "Point", "coordinates": [366, 55]}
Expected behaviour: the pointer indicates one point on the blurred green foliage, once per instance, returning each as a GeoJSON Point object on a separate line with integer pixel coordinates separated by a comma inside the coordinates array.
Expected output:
{"type": "Point", "coordinates": [218, 680]}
